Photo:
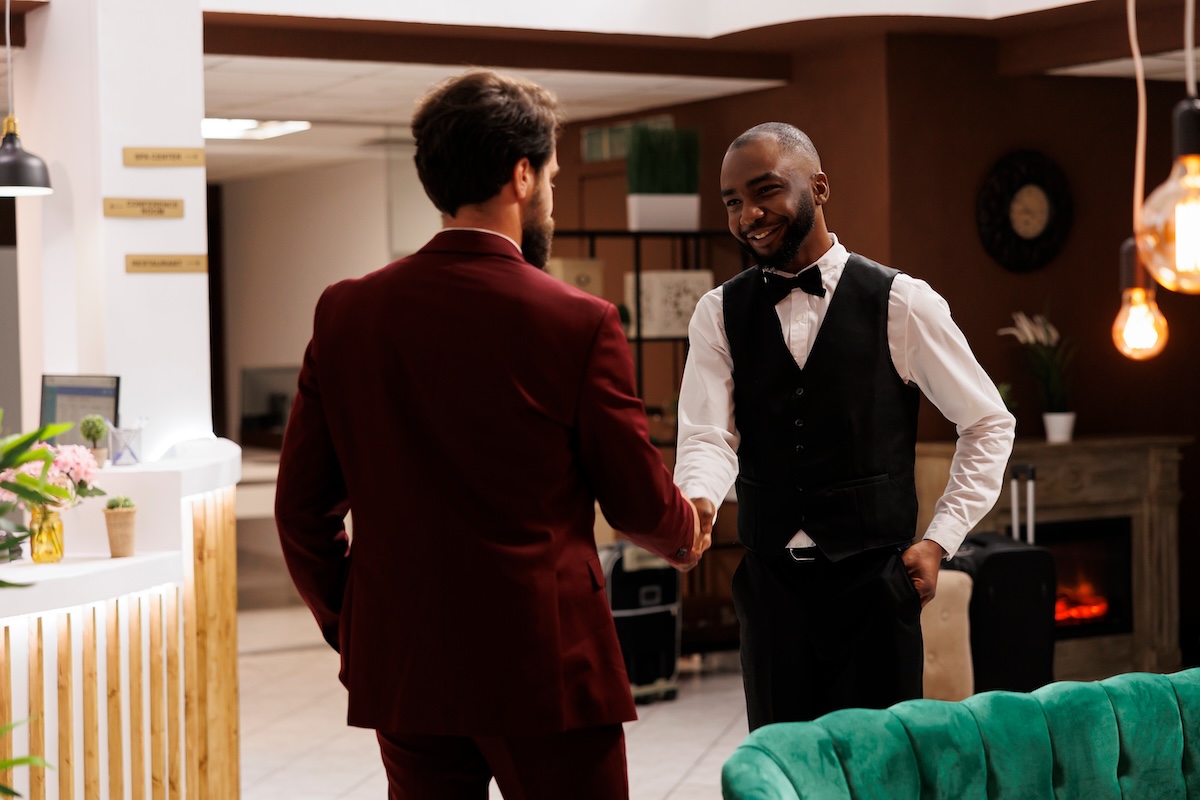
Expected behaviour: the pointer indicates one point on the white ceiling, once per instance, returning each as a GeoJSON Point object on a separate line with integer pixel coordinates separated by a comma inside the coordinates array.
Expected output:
{"type": "Point", "coordinates": [353, 105]}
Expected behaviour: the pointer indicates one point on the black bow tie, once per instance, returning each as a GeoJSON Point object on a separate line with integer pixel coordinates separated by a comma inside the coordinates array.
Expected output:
{"type": "Point", "coordinates": [779, 287]}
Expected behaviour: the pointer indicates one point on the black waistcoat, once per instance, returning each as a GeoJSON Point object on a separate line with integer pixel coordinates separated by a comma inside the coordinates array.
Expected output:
{"type": "Point", "coordinates": [828, 449]}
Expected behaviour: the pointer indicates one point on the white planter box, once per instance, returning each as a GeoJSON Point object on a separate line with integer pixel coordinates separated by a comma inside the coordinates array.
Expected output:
{"type": "Point", "coordinates": [663, 212]}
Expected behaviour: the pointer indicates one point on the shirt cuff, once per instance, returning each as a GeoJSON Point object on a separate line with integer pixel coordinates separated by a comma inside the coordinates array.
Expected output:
{"type": "Point", "coordinates": [946, 537]}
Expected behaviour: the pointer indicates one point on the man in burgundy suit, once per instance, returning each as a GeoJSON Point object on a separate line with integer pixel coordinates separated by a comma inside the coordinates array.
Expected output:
{"type": "Point", "coordinates": [469, 409]}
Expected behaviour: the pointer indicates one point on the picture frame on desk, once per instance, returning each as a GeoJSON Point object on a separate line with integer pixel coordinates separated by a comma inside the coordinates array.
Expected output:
{"type": "Point", "coordinates": [70, 398]}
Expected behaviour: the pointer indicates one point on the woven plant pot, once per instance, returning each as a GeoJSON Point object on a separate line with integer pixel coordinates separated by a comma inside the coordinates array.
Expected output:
{"type": "Point", "coordinates": [120, 522]}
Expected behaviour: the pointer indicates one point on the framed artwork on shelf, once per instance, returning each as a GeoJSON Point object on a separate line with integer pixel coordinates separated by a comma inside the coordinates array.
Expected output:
{"type": "Point", "coordinates": [668, 299]}
{"type": "Point", "coordinates": [582, 273]}
{"type": "Point", "coordinates": [70, 398]}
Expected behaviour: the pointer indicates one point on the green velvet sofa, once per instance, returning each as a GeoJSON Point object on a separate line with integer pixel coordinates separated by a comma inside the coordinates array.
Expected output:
{"type": "Point", "coordinates": [1131, 736]}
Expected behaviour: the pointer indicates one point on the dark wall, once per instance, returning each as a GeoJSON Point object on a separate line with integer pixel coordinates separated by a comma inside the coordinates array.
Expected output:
{"type": "Point", "coordinates": [947, 126]}
{"type": "Point", "coordinates": [907, 127]}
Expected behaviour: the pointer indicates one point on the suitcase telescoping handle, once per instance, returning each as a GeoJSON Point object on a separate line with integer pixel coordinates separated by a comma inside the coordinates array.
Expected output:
{"type": "Point", "coordinates": [1029, 473]}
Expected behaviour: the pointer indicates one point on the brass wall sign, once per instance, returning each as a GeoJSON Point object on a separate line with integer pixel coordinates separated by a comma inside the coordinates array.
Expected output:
{"type": "Point", "coordinates": [164, 156]}
{"type": "Point", "coordinates": [142, 207]}
{"type": "Point", "coordinates": [166, 263]}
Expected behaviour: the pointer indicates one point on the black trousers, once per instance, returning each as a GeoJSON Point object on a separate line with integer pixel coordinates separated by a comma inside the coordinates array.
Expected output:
{"type": "Point", "coordinates": [820, 636]}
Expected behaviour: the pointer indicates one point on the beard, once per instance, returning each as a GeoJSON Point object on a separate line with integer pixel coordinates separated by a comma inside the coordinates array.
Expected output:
{"type": "Point", "coordinates": [537, 232]}
{"type": "Point", "coordinates": [797, 231]}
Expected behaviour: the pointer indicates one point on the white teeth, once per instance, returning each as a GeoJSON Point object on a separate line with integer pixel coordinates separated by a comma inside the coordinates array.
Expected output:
{"type": "Point", "coordinates": [760, 235]}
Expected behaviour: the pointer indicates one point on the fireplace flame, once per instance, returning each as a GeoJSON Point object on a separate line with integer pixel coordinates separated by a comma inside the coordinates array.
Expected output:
{"type": "Point", "coordinates": [1079, 603]}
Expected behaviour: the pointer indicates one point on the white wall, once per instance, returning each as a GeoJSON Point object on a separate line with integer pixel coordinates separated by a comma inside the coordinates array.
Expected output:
{"type": "Point", "coordinates": [97, 76]}
{"type": "Point", "coordinates": [10, 357]}
{"type": "Point", "coordinates": [289, 236]}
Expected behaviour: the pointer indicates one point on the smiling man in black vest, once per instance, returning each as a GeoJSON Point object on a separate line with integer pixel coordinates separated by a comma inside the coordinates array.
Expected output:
{"type": "Point", "coordinates": [802, 383]}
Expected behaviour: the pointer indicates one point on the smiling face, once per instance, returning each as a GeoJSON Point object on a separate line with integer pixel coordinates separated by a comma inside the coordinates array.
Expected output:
{"type": "Point", "coordinates": [772, 196]}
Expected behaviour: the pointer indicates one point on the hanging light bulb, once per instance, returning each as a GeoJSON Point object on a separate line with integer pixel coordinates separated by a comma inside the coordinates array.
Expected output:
{"type": "Point", "coordinates": [1140, 329]}
{"type": "Point", "coordinates": [1168, 237]}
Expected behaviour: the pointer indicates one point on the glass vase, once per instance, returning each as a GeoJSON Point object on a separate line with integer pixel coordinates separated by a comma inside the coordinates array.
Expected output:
{"type": "Point", "coordinates": [45, 535]}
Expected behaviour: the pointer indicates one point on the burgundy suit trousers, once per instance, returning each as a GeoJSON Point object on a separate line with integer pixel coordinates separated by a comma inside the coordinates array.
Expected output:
{"type": "Point", "coordinates": [581, 764]}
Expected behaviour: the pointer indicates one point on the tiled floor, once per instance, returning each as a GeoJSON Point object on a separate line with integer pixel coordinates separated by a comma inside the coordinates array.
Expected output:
{"type": "Point", "coordinates": [295, 743]}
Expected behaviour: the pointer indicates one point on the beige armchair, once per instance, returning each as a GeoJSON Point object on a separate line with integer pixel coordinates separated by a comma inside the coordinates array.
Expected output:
{"type": "Point", "coordinates": [946, 627]}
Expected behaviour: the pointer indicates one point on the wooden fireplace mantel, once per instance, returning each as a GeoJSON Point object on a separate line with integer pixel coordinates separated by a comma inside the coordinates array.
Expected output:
{"type": "Point", "coordinates": [1092, 478]}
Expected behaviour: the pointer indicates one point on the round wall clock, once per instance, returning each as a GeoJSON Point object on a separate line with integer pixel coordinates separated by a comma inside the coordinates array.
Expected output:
{"type": "Point", "coordinates": [1024, 211]}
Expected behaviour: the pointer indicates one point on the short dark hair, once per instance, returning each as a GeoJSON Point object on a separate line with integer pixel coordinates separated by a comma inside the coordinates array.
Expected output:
{"type": "Point", "coordinates": [790, 138]}
{"type": "Point", "coordinates": [472, 130]}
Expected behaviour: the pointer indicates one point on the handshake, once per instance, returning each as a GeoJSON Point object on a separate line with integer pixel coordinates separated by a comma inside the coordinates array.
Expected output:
{"type": "Point", "coordinates": [703, 512]}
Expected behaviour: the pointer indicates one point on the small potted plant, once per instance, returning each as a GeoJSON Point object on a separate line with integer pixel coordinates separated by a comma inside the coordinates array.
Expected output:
{"type": "Point", "coordinates": [119, 515]}
{"type": "Point", "coordinates": [1049, 355]}
{"type": "Point", "coordinates": [663, 170]}
{"type": "Point", "coordinates": [94, 428]}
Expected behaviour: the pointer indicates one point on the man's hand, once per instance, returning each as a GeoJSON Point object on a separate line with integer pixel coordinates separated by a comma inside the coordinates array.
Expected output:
{"type": "Point", "coordinates": [705, 512]}
{"type": "Point", "coordinates": [923, 560]}
{"type": "Point", "coordinates": [702, 517]}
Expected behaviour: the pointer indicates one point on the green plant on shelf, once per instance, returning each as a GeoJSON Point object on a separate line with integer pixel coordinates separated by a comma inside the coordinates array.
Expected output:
{"type": "Point", "coordinates": [93, 428]}
{"type": "Point", "coordinates": [663, 160]}
{"type": "Point", "coordinates": [19, 451]}
{"type": "Point", "coordinates": [25, 481]}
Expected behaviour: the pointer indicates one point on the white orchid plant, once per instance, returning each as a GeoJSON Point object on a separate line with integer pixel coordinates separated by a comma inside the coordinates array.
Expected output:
{"type": "Point", "coordinates": [1049, 356]}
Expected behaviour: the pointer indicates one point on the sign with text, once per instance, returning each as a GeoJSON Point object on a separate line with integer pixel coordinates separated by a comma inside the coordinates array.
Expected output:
{"type": "Point", "coordinates": [166, 263]}
{"type": "Point", "coordinates": [142, 207]}
{"type": "Point", "coordinates": [164, 156]}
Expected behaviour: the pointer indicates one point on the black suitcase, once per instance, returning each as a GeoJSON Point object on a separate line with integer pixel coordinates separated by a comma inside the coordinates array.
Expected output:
{"type": "Point", "coordinates": [1012, 604]}
{"type": "Point", "coordinates": [643, 593]}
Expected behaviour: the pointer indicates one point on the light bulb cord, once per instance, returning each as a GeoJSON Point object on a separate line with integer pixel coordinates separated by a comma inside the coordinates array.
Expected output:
{"type": "Point", "coordinates": [1139, 70]}
{"type": "Point", "coordinates": [8, 54]}
{"type": "Point", "coordinates": [1189, 44]}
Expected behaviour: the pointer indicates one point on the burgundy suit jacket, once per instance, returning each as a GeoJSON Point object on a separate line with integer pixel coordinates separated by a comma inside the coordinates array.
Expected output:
{"type": "Point", "coordinates": [469, 408]}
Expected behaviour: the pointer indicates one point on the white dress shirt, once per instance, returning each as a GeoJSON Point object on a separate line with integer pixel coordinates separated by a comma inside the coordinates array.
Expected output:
{"type": "Point", "coordinates": [927, 349]}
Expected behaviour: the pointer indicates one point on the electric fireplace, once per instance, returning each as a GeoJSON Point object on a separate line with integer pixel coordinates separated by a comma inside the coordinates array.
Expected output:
{"type": "Point", "coordinates": [1093, 562]}
{"type": "Point", "coordinates": [1108, 510]}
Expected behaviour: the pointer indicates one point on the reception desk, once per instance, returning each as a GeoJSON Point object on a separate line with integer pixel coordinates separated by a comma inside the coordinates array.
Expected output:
{"type": "Point", "coordinates": [126, 668]}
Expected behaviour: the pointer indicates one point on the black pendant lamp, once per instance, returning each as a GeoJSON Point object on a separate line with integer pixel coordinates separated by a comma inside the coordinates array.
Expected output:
{"type": "Point", "coordinates": [21, 173]}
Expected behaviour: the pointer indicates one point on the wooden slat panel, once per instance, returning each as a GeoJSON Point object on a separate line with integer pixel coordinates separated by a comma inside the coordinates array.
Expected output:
{"type": "Point", "coordinates": [37, 710]}
{"type": "Point", "coordinates": [212, 633]}
{"type": "Point", "coordinates": [116, 739]}
{"type": "Point", "coordinates": [66, 712]}
{"type": "Point", "coordinates": [195, 672]}
{"type": "Point", "coordinates": [158, 752]}
{"type": "Point", "coordinates": [210, 649]}
{"type": "Point", "coordinates": [137, 746]}
{"type": "Point", "coordinates": [6, 709]}
{"type": "Point", "coordinates": [91, 710]}
{"type": "Point", "coordinates": [174, 772]}
{"type": "Point", "coordinates": [229, 683]}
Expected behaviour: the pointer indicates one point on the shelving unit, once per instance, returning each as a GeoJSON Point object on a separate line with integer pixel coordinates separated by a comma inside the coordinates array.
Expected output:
{"type": "Point", "coordinates": [692, 256]}
{"type": "Point", "coordinates": [709, 623]}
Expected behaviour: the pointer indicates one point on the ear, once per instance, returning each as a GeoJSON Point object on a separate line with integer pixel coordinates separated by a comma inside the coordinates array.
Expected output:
{"type": "Point", "coordinates": [820, 188]}
{"type": "Point", "coordinates": [524, 179]}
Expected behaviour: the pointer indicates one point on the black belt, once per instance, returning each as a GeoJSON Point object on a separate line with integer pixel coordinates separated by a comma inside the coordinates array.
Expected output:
{"type": "Point", "coordinates": [802, 554]}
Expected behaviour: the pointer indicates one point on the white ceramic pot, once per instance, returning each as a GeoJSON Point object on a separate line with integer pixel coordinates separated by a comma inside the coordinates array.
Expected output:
{"type": "Point", "coordinates": [663, 212]}
{"type": "Point", "coordinates": [1059, 426]}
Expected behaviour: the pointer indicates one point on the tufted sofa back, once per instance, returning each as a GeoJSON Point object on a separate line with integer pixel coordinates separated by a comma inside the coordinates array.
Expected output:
{"type": "Point", "coordinates": [1129, 736]}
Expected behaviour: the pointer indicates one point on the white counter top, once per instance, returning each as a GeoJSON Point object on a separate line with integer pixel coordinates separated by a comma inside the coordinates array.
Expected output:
{"type": "Point", "coordinates": [163, 491]}
{"type": "Point", "coordinates": [81, 579]}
